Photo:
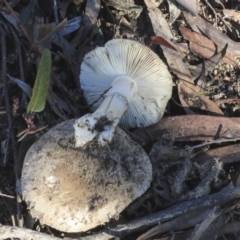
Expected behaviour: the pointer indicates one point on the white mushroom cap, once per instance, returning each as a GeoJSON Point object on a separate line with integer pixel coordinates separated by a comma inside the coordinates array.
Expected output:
{"type": "Point", "coordinates": [74, 190]}
{"type": "Point", "coordinates": [138, 67]}
{"type": "Point", "coordinates": [127, 57]}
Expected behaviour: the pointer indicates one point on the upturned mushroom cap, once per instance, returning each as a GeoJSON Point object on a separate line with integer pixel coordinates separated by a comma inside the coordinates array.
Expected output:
{"type": "Point", "coordinates": [76, 189]}
{"type": "Point", "coordinates": [127, 57]}
{"type": "Point", "coordinates": [127, 84]}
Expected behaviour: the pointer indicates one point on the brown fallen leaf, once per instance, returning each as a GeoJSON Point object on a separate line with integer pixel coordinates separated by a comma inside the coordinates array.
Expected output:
{"type": "Point", "coordinates": [194, 102]}
{"type": "Point", "coordinates": [175, 59]}
{"type": "Point", "coordinates": [190, 6]}
{"type": "Point", "coordinates": [199, 25]}
{"type": "Point", "coordinates": [161, 41]}
{"type": "Point", "coordinates": [204, 47]}
{"type": "Point", "coordinates": [190, 128]}
{"type": "Point", "coordinates": [201, 70]}
{"type": "Point", "coordinates": [226, 154]}
{"type": "Point", "coordinates": [160, 25]}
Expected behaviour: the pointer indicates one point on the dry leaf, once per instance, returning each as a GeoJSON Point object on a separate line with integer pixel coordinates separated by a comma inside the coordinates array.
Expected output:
{"type": "Point", "coordinates": [160, 25]}
{"type": "Point", "coordinates": [204, 47]}
{"type": "Point", "coordinates": [92, 10]}
{"type": "Point", "coordinates": [190, 6]}
{"type": "Point", "coordinates": [175, 59]}
{"type": "Point", "coordinates": [193, 102]}
{"type": "Point", "coordinates": [162, 29]}
{"type": "Point", "coordinates": [174, 11]}
{"type": "Point", "coordinates": [184, 221]}
{"type": "Point", "coordinates": [161, 41]}
{"type": "Point", "coordinates": [199, 25]}
{"type": "Point", "coordinates": [226, 154]}
{"type": "Point", "coordinates": [200, 72]}
{"type": "Point", "coordinates": [190, 128]}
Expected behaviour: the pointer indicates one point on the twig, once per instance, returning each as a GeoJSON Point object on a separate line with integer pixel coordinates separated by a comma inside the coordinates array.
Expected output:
{"type": "Point", "coordinates": [5, 195]}
{"type": "Point", "coordinates": [219, 198]}
{"type": "Point", "coordinates": [217, 15]}
{"type": "Point", "coordinates": [7, 147]}
{"type": "Point", "coordinates": [176, 102]}
{"type": "Point", "coordinates": [7, 232]}
{"type": "Point", "coordinates": [55, 11]}
{"type": "Point", "coordinates": [184, 221]}
{"type": "Point", "coordinates": [19, 50]}
{"type": "Point", "coordinates": [19, 214]}
{"type": "Point", "coordinates": [18, 20]}
{"type": "Point", "coordinates": [28, 131]}
{"type": "Point", "coordinates": [5, 90]}
{"type": "Point", "coordinates": [201, 228]}
{"type": "Point", "coordinates": [11, 211]}
{"type": "Point", "coordinates": [214, 142]}
{"type": "Point", "coordinates": [213, 11]}
{"type": "Point", "coordinates": [8, 108]}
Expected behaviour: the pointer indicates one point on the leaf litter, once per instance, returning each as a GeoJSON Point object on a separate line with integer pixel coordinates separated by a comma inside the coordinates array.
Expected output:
{"type": "Point", "coordinates": [194, 149]}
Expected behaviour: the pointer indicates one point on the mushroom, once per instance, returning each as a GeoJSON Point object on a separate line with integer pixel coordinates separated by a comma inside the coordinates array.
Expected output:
{"type": "Point", "coordinates": [135, 85]}
{"type": "Point", "coordinates": [76, 189]}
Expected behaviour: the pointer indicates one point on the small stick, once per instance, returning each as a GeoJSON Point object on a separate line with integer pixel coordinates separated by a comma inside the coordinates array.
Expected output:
{"type": "Point", "coordinates": [217, 16]}
{"type": "Point", "coordinates": [5, 195]}
{"type": "Point", "coordinates": [220, 198]}
{"type": "Point", "coordinates": [7, 232]}
{"type": "Point", "coordinates": [214, 142]}
{"type": "Point", "coordinates": [8, 108]}
{"type": "Point", "coordinates": [23, 233]}
{"type": "Point", "coordinates": [18, 20]}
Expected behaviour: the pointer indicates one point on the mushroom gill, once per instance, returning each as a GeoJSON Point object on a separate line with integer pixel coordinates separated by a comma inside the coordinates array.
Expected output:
{"type": "Point", "coordinates": [134, 84]}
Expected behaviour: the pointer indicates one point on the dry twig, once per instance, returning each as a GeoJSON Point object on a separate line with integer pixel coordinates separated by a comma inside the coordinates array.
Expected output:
{"type": "Point", "coordinates": [219, 198]}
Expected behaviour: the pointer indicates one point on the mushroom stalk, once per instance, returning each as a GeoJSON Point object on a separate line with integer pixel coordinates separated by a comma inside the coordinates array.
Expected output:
{"type": "Point", "coordinates": [105, 119]}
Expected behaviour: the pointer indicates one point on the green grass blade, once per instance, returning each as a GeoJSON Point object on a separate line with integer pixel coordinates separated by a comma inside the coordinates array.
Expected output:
{"type": "Point", "coordinates": [41, 85]}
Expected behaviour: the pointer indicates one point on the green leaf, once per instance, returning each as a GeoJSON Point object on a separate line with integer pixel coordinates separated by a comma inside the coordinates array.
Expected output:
{"type": "Point", "coordinates": [41, 85]}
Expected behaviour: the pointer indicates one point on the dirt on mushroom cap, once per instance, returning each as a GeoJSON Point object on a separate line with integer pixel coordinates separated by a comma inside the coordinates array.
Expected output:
{"type": "Point", "coordinates": [74, 190]}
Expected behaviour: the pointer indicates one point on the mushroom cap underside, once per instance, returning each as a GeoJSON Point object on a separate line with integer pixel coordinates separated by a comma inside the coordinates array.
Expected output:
{"type": "Point", "coordinates": [127, 57]}
{"type": "Point", "coordinates": [74, 190]}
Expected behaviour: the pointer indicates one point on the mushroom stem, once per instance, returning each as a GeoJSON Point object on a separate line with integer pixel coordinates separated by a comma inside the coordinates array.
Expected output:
{"type": "Point", "coordinates": [105, 119]}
